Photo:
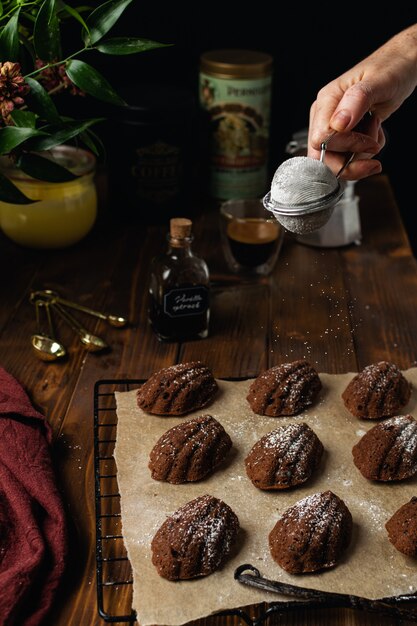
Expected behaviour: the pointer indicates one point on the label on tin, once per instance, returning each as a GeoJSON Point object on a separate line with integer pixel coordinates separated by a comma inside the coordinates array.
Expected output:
{"type": "Point", "coordinates": [239, 112]}
{"type": "Point", "coordinates": [157, 172]}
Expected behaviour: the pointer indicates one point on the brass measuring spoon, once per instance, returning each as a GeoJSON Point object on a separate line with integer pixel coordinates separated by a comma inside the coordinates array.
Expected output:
{"type": "Point", "coordinates": [46, 347]}
{"type": "Point", "coordinates": [114, 320]}
{"type": "Point", "coordinates": [91, 342]}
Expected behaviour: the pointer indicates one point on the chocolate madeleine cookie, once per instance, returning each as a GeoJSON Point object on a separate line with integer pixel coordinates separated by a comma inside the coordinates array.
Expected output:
{"type": "Point", "coordinates": [312, 534]}
{"type": "Point", "coordinates": [195, 540]}
{"type": "Point", "coordinates": [285, 389]}
{"type": "Point", "coordinates": [388, 451]}
{"type": "Point", "coordinates": [178, 389]}
{"type": "Point", "coordinates": [284, 458]}
{"type": "Point", "coordinates": [402, 528]}
{"type": "Point", "coordinates": [189, 451]}
{"type": "Point", "coordinates": [379, 390]}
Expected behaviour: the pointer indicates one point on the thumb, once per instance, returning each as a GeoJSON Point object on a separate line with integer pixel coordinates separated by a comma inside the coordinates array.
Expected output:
{"type": "Point", "coordinates": [356, 101]}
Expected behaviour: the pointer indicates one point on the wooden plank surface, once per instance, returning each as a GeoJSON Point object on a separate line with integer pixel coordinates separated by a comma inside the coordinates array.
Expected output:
{"type": "Point", "coordinates": [340, 308]}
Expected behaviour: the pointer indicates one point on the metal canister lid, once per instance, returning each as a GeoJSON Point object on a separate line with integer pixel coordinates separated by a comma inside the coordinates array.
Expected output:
{"type": "Point", "coordinates": [153, 104]}
{"type": "Point", "coordinates": [235, 63]}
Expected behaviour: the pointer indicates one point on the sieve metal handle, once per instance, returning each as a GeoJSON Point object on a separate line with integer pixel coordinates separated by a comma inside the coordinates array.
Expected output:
{"type": "Point", "coordinates": [349, 159]}
{"type": "Point", "coordinates": [323, 148]}
{"type": "Point", "coordinates": [323, 145]}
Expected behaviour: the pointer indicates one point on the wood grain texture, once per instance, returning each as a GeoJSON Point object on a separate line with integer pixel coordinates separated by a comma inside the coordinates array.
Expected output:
{"type": "Point", "coordinates": [340, 308]}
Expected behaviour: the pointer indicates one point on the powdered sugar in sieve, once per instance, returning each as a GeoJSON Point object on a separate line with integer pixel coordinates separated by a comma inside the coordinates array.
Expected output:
{"type": "Point", "coordinates": [304, 192]}
{"type": "Point", "coordinates": [302, 180]}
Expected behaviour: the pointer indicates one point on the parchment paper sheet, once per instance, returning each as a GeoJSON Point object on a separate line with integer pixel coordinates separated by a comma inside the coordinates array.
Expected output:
{"type": "Point", "coordinates": [372, 567]}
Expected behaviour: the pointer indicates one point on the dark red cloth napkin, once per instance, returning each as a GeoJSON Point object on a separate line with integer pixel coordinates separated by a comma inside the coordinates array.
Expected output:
{"type": "Point", "coordinates": [33, 540]}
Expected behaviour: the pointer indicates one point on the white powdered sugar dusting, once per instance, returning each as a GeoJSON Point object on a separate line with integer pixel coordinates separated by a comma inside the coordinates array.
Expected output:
{"type": "Point", "coordinates": [317, 510]}
{"type": "Point", "coordinates": [209, 522]}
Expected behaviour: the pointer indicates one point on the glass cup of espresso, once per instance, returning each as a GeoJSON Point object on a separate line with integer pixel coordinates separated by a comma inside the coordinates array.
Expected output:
{"type": "Point", "coordinates": [251, 237]}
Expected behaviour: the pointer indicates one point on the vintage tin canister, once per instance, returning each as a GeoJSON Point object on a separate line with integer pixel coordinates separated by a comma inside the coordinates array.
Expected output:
{"type": "Point", "coordinates": [235, 94]}
{"type": "Point", "coordinates": [150, 152]}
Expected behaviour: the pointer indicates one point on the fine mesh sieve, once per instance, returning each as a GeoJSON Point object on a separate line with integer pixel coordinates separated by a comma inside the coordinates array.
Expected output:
{"type": "Point", "coordinates": [304, 192]}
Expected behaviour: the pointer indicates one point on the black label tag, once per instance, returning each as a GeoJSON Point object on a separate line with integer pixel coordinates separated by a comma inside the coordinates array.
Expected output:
{"type": "Point", "coordinates": [186, 301]}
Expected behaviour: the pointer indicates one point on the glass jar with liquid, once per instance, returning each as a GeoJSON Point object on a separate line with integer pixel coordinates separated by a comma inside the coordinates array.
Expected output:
{"type": "Point", "coordinates": [62, 213]}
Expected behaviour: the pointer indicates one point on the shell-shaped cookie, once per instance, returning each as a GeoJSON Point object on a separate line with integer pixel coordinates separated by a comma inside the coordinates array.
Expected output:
{"type": "Point", "coordinates": [388, 451]}
{"type": "Point", "coordinates": [379, 390]}
{"type": "Point", "coordinates": [189, 451]}
{"type": "Point", "coordinates": [312, 534]}
{"type": "Point", "coordinates": [402, 528]}
{"type": "Point", "coordinates": [285, 389]}
{"type": "Point", "coordinates": [285, 457]}
{"type": "Point", "coordinates": [177, 389]}
{"type": "Point", "coordinates": [195, 540]}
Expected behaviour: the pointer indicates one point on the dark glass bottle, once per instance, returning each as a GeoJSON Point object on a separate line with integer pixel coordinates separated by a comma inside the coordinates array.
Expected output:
{"type": "Point", "coordinates": [179, 307]}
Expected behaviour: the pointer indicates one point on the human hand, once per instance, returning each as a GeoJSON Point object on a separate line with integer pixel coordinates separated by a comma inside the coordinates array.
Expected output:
{"type": "Point", "coordinates": [377, 85]}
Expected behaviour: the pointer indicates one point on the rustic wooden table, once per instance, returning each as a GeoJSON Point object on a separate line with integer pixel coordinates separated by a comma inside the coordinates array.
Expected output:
{"type": "Point", "coordinates": [340, 308]}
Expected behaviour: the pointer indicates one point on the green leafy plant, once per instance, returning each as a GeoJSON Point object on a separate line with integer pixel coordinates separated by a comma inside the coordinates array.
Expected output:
{"type": "Point", "coordinates": [34, 67]}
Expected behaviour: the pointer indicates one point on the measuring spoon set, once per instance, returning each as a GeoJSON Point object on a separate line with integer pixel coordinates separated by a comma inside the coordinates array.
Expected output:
{"type": "Point", "coordinates": [44, 342]}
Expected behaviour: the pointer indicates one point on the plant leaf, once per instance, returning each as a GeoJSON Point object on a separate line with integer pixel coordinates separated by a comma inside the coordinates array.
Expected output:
{"type": "Point", "coordinates": [90, 140]}
{"type": "Point", "coordinates": [27, 46]}
{"type": "Point", "coordinates": [101, 20]}
{"type": "Point", "coordinates": [11, 194]}
{"type": "Point", "coordinates": [55, 136]}
{"type": "Point", "coordinates": [12, 136]}
{"type": "Point", "coordinates": [23, 119]}
{"type": "Point", "coordinates": [41, 102]}
{"type": "Point", "coordinates": [44, 169]}
{"type": "Point", "coordinates": [128, 45]}
{"type": "Point", "coordinates": [75, 14]}
{"type": "Point", "coordinates": [46, 34]}
{"type": "Point", "coordinates": [28, 16]}
{"type": "Point", "coordinates": [9, 39]}
{"type": "Point", "coordinates": [92, 82]}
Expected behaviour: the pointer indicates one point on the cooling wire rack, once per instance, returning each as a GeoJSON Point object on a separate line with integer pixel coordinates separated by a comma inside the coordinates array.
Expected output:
{"type": "Point", "coordinates": [114, 577]}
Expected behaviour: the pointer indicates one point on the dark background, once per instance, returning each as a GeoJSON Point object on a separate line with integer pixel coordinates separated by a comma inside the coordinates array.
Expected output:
{"type": "Point", "coordinates": [310, 47]}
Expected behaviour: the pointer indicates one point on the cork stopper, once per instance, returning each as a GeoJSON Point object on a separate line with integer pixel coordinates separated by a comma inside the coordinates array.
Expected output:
{"type": "Point", "coordinates": [180, 227]}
